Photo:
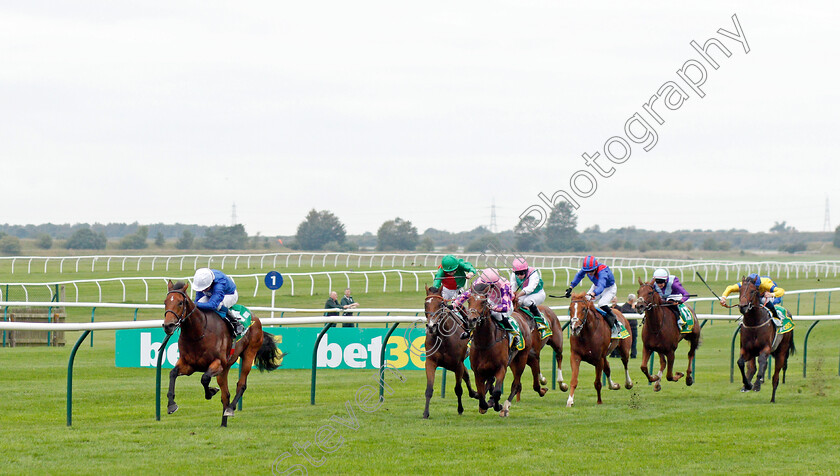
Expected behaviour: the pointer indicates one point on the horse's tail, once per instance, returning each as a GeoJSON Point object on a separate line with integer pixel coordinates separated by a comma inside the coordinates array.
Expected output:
{"type": "Point", "coordinates": [792, 348]}
{"type": "Point", "coordinates": [268, 356]}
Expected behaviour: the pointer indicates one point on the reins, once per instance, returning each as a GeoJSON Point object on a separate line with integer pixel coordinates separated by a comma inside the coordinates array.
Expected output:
{"type": "Point", "coordinates": [186, 315]}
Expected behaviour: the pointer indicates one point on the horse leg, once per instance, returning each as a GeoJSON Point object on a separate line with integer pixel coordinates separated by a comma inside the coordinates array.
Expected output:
{"type": "Point", "coordinates": [431, 367]}
{"type": "Point", "coordinates": [498, 388]}
{"type": "Point", "coordinates": [179, 369]}
{"type": "Point", "coordinates": [608, 373]}
{"type": "Point", "coordinates": [247, 364]}
{"type": "Point", "coordinates": [741, 361]}
{"type": "Point", "coordinates": [558, 352]}
{"type": "Point", "coordinates": [672, 377]}
{"type": "Point", "coordinates": [599, 368]}
{"type": "Point", "coordinates": [762, 369]}
{"type": "Point", "coordinates": [516, 386]}
{"type": "Point", "coordinates": [481, 390]}
{"type": "Point", "coordinates": [646, 353]}
{"type": "Point", "coordinates": [534, 363]}
{"type": "Point", "coordinates": [575, 364]}
{"type": "Point", "coordinates": [227, 409]}
{"type": "Point", "coordinates": [466, 375]}
{"type": "Point", "coordinates": [689, 379]}
{"type": "Point", "coordinates": [662, 364]}
{"type": "Point", "coordinates": [625, 359]}
{"type": "Point", "coordinates": [459, 390]}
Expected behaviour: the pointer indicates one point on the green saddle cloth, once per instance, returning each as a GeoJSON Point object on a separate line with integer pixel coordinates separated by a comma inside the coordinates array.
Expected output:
{"type": "Point", "coordinates": [688, 319]}
{"type": "Point", "coordinates": [542, 325]}
{"type": "Point", "coordinates": [623, 333]}
{"type": "Point", "coordinates": [787, 322]}
{"type": "Point", "coordinates": [243, 315]}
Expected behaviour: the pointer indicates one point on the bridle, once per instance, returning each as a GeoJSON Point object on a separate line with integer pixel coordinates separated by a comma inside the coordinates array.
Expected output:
{"type": "Point", "coordinates": [184, 316]}
{"type": "Point", "coordinates": [482, 316]}
{"type": "Point", "coordinates": [573, 317]}
{"type": "Point", "coordinates": [753, 296]}
{"type": "Point", "coordinates": [433, 326]}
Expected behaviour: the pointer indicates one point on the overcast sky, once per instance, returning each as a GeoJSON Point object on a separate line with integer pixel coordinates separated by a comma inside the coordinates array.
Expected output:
{"type": "Point", "coordinates": [174, 111]}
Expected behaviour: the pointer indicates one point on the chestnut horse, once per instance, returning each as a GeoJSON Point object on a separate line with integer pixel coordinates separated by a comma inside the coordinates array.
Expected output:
{"type": "Point", "coordinates": [444, 347]}
{"type": "Point", "coordinates": [206, 345]}
{"type": "Point", "coordinates": [591, 342]}
{"type": "Point", "coordinates": [757, 334]}
{"type": "Point", "coordinates": [490, 353]}
{"type": "Point", "coordinates": [661, 333]}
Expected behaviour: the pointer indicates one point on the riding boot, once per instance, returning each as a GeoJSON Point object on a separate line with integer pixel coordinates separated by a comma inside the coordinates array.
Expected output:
{"type": "Point", "coordinates": [770, 307]}
{"type": "Point", "coordinates": [508, 326]}
{"type": "Point", "coordinates": [542, 325]}
{"type": "Point", "coordinates": [238, 328]}
{"type": "Point", "coordinates": [609, 317]}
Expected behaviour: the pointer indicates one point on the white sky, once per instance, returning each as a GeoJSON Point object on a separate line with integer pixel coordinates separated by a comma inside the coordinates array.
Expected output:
{"type": "Point", "coordinates": [173, 111]}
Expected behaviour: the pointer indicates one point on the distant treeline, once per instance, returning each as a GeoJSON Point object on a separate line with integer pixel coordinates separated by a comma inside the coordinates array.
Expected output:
{"type": "Point", "coordinates": [110, 230]}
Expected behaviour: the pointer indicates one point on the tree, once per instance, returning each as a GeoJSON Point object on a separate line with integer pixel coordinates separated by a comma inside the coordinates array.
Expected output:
{"type": "Point", "coordinates": [427, 244]}
{"type": "Point", "coordinates": [225, 238]}
{"type": "Point", "coordinates": [44, 241]}
{"type": "Point", "coordinates": [397, 234]}
{"type": "Point", "coordinates": [86, 239]}
{"type": "Point", "coordinates": [561, 229]}
{"type": "Point", "coordinates": [483, 243]}
{"type": "Point", "coordinates": [780, 227]}
{"type": "Point", "coordinates": [137, 241]}
{"type": "Point", "coordinates": [319, 228]}
{"type": "Point", "coordinates": [526, 234]}
{"type": "Point", "coordinates": [837, 236]}
{"type": "Point", "coordinates": [185, 242]}
{"type": "Point", "coordinates": [159, 240]}
{"type": "Point", "coordinates": [10, 245]}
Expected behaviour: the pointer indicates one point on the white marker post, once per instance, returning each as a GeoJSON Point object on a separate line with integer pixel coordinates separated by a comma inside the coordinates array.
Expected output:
{"type": "Point", "coordinates": [273, 281]}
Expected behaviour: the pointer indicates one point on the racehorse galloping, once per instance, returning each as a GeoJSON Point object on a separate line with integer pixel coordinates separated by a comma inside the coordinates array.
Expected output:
{"type": "Point", "coordinates": [662, 334]}
{"type": "Point", "coordinates": [590, 342]}
{"type": "Point", "coordinates": [205, 345]}
{"type": "Point", "coordinates": [757, 334]}
{"type": "Point", "coordinates": [555, 341]}
{"type": "Point", "coordinates": [444, 347]}
{"type": "Point", "coordinates": [490, 353]}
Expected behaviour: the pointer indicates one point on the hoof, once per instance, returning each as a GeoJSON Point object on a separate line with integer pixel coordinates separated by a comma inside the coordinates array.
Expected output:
{"type": "Point", "coordinates": [689, 381]}
{"type": "Point", "coordinates": [210, 392]}
{"type": "Point", "coordinates": [228, 412]}
{"type": "Point", "coordinates": [628, 385]}
{"type": "Point", "coordinates": [172, 408]}
{"type": "Point", "coordinates": [614, 386]}
{"type": "Point", "coordinates": [473, 394]}
{"type": "Point", "coordinates": [425, 416]}
{"type": "Point", "coordinates": [503, 413]}
{"type": "Point", "coordinates": [482, 410]}
{"type": "Point", "coordinates": [570, 403]}
{"type": "Point", "coordinates": [756, 389]}
{"type": "Point", "coordinates": [657, 387]}
{"type": "Point", "coordinates": [460, 411]}
{"type": "Point", "coordinates": [542, 391]}
{"type": "Point", "coordinates": [543, 380]}
{"type": "Point", "coordinates": [497, 407]}
{"type": "Point", "coordinates": [564, 386]}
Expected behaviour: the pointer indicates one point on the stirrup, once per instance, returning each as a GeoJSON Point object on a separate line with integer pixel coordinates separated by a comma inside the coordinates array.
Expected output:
{"type": "Point", "coordinates": [465, 335]}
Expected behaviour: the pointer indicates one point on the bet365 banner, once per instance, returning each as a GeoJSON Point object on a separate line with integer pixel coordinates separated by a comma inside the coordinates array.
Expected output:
{"type": "Point", "coordinates": [340, 348]}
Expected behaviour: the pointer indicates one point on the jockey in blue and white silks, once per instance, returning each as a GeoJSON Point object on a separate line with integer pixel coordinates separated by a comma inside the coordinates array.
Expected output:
{"type": "Point", "coordinates": [603, 288]}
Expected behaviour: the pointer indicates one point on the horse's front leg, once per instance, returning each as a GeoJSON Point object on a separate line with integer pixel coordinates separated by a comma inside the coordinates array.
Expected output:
{"type": "Point", "coordinates": [599, 368]}
{"type": "Point", "coordinates": [431, 367]}
{"type": "Point", "coordinates": [227, 408]}
{"type": "Point", "coordinates": [608, 374]}
{"type": "Point", "coordinates": [741, 361]}
{"type": "Point", "coordinates": [498, 387]}
{"type": "Point", "coordinates": [179, 369]}
{"type": "Point", "coordinates": [481, 390]}
{"type": "Point", "coordinates": [213, 370]}
{"type": "Point", "coordinates": [762, 370]}
{"type": "Point", "coordinates": [672, 377]}
{"type": "Point", "coordinates": [646, 353]}
{"type": "Point", "coordinates": [574, 362]}
{"type": "Point", "coordinates": [466, 375]}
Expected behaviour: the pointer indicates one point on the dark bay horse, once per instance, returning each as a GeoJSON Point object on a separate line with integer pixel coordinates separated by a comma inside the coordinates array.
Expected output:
{"type": "Point", "coordinates": [757, 334]}
{"type": "Point", "coordinates": [661, 334]}
{"type": "Point", "coordinates": [205, 345]}
{"type": "Point", "coordinates": [591, 342]}
{"type": "Point", "coordinates": [555, 341]}
{"type": "Point", "coordinates": [490, 353]}
{"type": "Point", "coordinates": [444, 347]}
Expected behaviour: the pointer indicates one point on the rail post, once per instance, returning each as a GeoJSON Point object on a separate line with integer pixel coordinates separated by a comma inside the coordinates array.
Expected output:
{"type": "Point", "coordinates": [805, 350]}
{"type": "Point", "coordinates": [161, 351]}
{"type": "Point", "coordinates": [315, 360]}
{"type": "Point", "coordinates": [382, 361]}
{"type": "Point", "coordinates": [70, 378]}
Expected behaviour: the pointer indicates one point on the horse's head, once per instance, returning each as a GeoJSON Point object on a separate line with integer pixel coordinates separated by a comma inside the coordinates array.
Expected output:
{"type": "Point", "coordinates": [579, 312]}
{"type": "Point", "coordinates": [433, 307]}
{"type": "Point", "coordinates": [748, 295]}
{"type": "Point", "coordinates": [478, 307]}
{"type": "Point", "coordinates": [178, 306]}
{"type": "Point", "coordinates": [647, 297]}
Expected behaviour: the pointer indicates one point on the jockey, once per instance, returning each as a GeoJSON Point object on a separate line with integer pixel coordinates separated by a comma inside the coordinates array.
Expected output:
{"type": "Point", "coordinates": [500, 300]}
{"type": "Point", "coordinates": [603, 288]}
{"type": "Point", "coordinates": [215, 291]}
{"type": "Point", "coordinates": [452, 274]}
{"type": "Point", "coordinates": [670, 289]}
{"type": "Point", "coordinates": [530, 292]}
{"type": "Point", "coordinates": [770, 291]}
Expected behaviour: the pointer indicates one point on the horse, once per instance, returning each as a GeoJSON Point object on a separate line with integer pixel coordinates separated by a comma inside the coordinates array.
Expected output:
{"type": "Point", "coordinates": [555, 341]}
{"type": "Point", "coordinates": [662, 334]}
{"type": "Point", "coordinates": [444, 347]}
{"type": "Point", "coordinates": [206, 345]}
{"type": "Point", "coordinates": [591, 342]}
{"type": "Point", "coordinates": [490, 353]}
{"type": "Point", "coordinates": [757, 339]}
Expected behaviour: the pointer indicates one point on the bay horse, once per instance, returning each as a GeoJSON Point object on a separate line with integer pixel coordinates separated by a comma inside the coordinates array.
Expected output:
{"type": "Point", "coordinates": [661, 334]}
{"type": "Point", "coordinates": [444, 347]}
{"type": "Point", "coordinates": [490, 353]}
{"type": "Point", "coordinates": [555, 341]}
{"type": "Point", "coordinates": [206, 345]}
{"type": "Point", "coordinates": [757, 336]}
{"type": "Point", "coordinates": [591, 342]}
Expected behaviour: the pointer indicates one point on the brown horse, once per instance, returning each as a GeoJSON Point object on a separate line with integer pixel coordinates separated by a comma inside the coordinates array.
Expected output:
{"type": "Point", "coordinates": [661, 333]}
{"type": "Point", "coordinates": [757, 334]}
{"type": "Point", "coordinates": [590, 341]}
{"type": "Point", "coordinates": [490, 353]}
{"type": "Point", "coordinates": [555, 341]}
{"type": "Point", "coordinates": [444, 347]}
{"type": "Point", "coordinates": [205, 345]}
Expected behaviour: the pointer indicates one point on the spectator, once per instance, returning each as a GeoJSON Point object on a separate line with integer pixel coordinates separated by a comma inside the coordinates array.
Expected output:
{"type": "Point", "coordinates": [332, 303]}
{"type": "Point", "coordinates": [347, 302]}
